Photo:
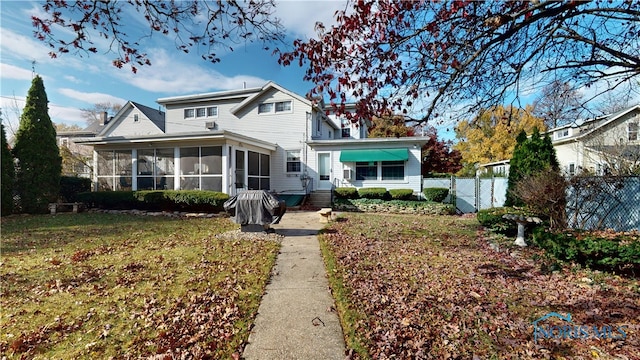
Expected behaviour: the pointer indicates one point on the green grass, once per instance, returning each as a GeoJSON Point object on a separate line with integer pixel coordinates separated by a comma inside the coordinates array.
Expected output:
{"type": "Point", "coordinates": [100, 285]}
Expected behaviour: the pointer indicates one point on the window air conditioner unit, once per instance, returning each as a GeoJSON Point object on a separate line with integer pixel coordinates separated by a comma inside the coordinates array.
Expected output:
{"type": "Point", "coordinates": [346, 174]}
{"type": "Point", "coordinates": [210, 125]}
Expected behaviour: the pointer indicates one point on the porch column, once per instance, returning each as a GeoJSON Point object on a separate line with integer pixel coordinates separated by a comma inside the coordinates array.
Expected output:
{"type": "Point", "coordinates": [134, 169]}
{"type": "Point", "coordinates": [176, 168]}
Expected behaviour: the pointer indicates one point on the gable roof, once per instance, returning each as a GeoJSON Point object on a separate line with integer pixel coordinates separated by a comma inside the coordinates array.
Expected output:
{"type": "Point", "coordinates": [218, 95]}
{"type": "Point", "coordinates": [155, 116]}
{"type": "Point", "coordinates": [268, 86]}
{"type": "Point", "coordinates": [604, 121]}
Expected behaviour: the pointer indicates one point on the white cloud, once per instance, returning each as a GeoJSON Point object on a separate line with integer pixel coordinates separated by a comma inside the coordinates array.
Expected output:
{"type": "Point", "coordinates": [168, 75]}
{"type": "Point", "coordinates": [72, 79]}
{"type": "Point", "coordinates": [91, 98]}
{"type": "Point", "coordinates": [300, 17]}
{"type": "Point", "coordinates": [13, 72]}
{"type": "Point", "coordinates": [22, 47]}
{"type": "Point", "coordinates": [12, 107]}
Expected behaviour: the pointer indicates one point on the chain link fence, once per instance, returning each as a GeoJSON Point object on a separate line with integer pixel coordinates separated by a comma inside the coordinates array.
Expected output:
{"type": "Point", "coordinates": [597, 202]}
{"type": "Point", "coordinates": [604, 202]}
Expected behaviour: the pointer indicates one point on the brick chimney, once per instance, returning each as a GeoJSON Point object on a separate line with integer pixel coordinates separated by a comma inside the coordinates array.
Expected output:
{"type": "Point", "coordinates": [104, 118]}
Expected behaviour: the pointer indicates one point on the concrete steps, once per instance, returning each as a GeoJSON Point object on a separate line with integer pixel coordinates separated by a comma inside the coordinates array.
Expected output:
{"type": "Point", "coordinates": [320, 198]}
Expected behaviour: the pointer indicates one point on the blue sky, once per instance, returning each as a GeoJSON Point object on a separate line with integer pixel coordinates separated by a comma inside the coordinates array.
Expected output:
{"type": "Point", "coordinates": [73, 83]}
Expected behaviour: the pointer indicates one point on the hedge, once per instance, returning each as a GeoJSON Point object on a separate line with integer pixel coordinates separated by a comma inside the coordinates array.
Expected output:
{"type": "Point", "coordinates": [158, 200]}
{"type": "Point", "coordinates": [401, 194]}
{"type": "Point", "coordinates": [435, 194]}
{"type": "Point", "coordinates": [346, 192]}
{"type": "Point", "coordinates": [71, 186]}
{"type": "Point", "coordinates": [373, 193]}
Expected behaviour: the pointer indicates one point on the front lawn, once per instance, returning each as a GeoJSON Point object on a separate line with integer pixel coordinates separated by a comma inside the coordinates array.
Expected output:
{"type": "Point", "coordinates": [434, 287]}
{"type": "Point", "coordinates": [101, 285]}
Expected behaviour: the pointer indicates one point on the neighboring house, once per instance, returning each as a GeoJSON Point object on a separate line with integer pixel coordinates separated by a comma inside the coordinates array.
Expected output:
{"type": "Point", "coordinates": [607, 144]}
{"type": "Point", "coordinates": [79, 158]}
{"type": "Point", "coordinates": [257, 138]}
{"type": "Point", "coordinates": [496, 168]}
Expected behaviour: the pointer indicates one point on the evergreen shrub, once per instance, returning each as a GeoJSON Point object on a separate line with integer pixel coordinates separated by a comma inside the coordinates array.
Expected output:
{"type": "Point", "coordinates": [435, 194]}
{"type": "Point", "coordinates": [401, 194]}
{"type": "Point", "coordinates": [71, 186]}
{"type": "Point", "coordinates": [373, 193]}
{"type": "Point", "coordinates": [346, 193]}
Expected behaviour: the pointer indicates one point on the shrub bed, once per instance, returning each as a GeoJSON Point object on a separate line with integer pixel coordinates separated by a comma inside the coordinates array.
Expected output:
{"type": "Point", "coordinates": [435, 194]}
{"type": "Point", "coordinates": [160, 200]}
{"type": "Point", "coordinates": [393, 206]}
{"type": "Point", "coordinates": [617, 252]}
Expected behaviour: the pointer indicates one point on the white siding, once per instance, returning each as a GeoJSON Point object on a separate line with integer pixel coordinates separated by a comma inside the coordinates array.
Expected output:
{"type": "Point", "coordinates": [127, 126]}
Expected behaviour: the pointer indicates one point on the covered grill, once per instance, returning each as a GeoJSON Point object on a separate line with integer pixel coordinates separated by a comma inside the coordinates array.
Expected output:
{"type": "Point", "coordinates": [255, 207]}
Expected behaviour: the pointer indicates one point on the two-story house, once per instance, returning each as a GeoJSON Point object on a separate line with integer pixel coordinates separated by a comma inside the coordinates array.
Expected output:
{"type": "Point", "coordinates": [253, 138]}
{"type": "Point", "coordinates": [607, 144]}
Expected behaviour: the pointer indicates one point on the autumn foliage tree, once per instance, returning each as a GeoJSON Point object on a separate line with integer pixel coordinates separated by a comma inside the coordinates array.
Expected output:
{"type": "Point", "coordinates": [438, 156]}
{"type": "Point", "coordinates": [426, 58]}
{"type": "Point", "coordinates": [84, 27]}
{"type": "Point", "coordinates": [39, 162]}
{"type": "Point", "coordinates": [491, 135]}
{"type": "Point", "coordinates": [390, 126]}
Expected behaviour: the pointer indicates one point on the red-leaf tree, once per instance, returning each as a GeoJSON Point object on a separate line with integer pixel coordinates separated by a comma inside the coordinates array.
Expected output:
{"type": "Point", "coordinates": [428, 57]}
{"type": "Point", "coordinates": [210, 25]}
{"type": "Point", "coordinates": [438, 155]}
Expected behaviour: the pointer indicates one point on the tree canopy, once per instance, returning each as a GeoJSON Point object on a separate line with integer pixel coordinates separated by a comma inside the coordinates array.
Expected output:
{"type": "Point", "coordinates": [390, 126]}
{"type": "Point", "coordinates": [491, 135]}
{"type": "Point", "coordinates": [438, 155]}
{"type": "Point", "coordinates": [427, 58]}
{"type": "Point", "coordinates": [8, 173]}
{"type": "Point", "coordinates": [80, 26]}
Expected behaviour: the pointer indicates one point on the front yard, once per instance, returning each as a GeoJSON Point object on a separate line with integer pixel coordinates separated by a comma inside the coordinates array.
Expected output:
{"type": "Point", "coordinates": [434, 287]}
{"type": "Point", "coordinates": [98, 286]}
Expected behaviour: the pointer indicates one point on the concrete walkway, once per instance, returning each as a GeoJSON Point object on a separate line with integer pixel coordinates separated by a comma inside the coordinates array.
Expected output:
{"type": "Point", "coordinates": [297, 318]}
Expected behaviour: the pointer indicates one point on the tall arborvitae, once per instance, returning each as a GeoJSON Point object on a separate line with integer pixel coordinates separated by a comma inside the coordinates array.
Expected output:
{"type": "Point", "coordinates": [529, 156]}
{"type": "Point", "coordinates": [8, 173]}
{"type": "Point", "coordinates": [39, 162]}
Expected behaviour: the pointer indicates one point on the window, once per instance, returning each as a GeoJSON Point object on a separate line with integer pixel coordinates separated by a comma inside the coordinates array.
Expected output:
{"type": "Point", "coordinates": [201, 112]}
{"type": "Point", "coordinates": [283, 106]}
{"type": "Point", "coordinates": [135, 118]}
{"type": "Point", "coordinates": [114, 170]}
{"type": "Point", "coordinates": [346, 128]}
{"type": "Point", "coordinates": [367, 170]}
{"type": "Point", "coordinates": [265, 108]}
{"type": "Point", "coordinates": [268, 108]}
{"type": "Point", "coordinates": [633, 131]}
{"type": "Point", "coordinates": [293, 161]}
{"type": "Point", "coordinates": [571, 169]}
{"type": "Point", "coordinates": [201, 168]}
{"type": "Point", "coordinates": [562, 133]}
{"type": "Point", "coordinates": [189, 113]}
{"type": "Point", "coordinates": [393, 170]}
{"type": "Point", "coordinates": [380, 170]}
{"type": "Point", "coordinates": [212, 111]}
{"type": "Point", "coordinates": [346, 132]}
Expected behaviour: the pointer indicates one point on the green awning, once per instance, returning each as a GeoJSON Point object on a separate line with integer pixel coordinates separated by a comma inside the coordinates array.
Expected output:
{"type": "Point", "coordinates": [374, 155]}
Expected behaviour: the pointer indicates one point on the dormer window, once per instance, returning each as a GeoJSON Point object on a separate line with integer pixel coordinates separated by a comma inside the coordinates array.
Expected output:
{"type": "Point", "coordinates": [201, 112]}
{"type": "Point", "coordinates": [265, 108]}
{"type": "Point", "coordinates": [189, 113]}
{"type": "Point", "coordinates": [562, 133]}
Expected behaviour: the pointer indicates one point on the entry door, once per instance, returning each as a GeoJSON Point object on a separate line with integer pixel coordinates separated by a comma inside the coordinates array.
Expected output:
{"type": "Point", "coordinates": [324, 171]}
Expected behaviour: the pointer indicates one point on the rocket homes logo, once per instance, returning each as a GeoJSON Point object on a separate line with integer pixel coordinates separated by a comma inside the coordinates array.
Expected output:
{"type": "Point", "coordinates": [572, 331]}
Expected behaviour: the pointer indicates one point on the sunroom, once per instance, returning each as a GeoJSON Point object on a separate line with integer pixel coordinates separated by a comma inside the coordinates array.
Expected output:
{"type": "Point", "coordinates": [220, 161]}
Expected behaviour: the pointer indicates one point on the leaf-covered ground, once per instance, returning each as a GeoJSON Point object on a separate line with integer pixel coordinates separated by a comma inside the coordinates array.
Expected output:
{"type": "Point", "coordinates": [414, 287]}
{"type": "Point", "coordinates": [95, 286]}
